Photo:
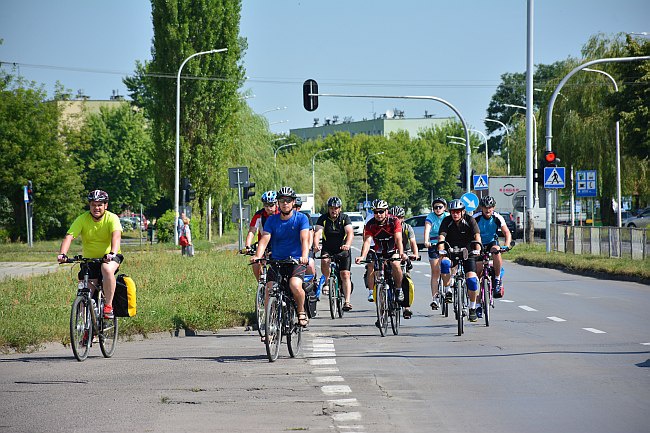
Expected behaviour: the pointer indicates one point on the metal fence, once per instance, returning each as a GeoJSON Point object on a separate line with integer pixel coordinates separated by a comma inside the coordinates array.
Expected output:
{"type": "Point", "coordinates": [621, 242]}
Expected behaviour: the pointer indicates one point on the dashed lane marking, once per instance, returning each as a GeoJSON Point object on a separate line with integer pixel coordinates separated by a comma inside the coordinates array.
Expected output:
{"type": "Point", "coordinates": [346, 416]}
{"type": "Point", "coordinates": [335, 389]}
{"type": "Point", "coordinates": [595, 331]}
{"type": "Point", "coordinates": [527, 308]}
{"type": "Point", "coordinates": [556, 319]}
{"type": "Point", "coordinates": [344, 402]}
{"type": "Point", "coordinates": [330, 379]}
{"type": "Point", "coordinates": [506, 300]}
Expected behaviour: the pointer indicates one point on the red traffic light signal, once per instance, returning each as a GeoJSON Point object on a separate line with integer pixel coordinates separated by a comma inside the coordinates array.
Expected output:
{"type": "Point", "coordinates": [551, 158]}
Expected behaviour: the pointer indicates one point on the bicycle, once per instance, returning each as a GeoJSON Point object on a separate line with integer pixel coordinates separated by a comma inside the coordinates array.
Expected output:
{"type": "Point", "coordinates": [335, 296]}
{"type": "Point", "coordinates": [458, 255]}
{"type": "Point", "coordinates": [487, 276]}
{"type": "Point", "coordinates": [87, 317]}
{"type": "Point", "coordinates": [281, 318]}
{"type": "Point", "coordinates": [259, 294]}
{"type": "Point", "coordinates": [385, 295]}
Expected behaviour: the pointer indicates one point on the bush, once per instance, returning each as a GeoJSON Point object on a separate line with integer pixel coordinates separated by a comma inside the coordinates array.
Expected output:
{"type": "Point", "coordinates": [165, 226]}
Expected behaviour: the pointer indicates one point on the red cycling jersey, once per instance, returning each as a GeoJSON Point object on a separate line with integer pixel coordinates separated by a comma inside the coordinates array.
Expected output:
{"type": "Point", "coordinates": [258, 220]}
{"type": "Point", "coordinates": [384, 234]}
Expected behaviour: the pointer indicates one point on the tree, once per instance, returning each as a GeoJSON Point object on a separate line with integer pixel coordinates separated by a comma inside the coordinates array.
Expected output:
{"type": "Point", "coordinates": [209, 103]}
{"type": "Point", "coordinates": [33, 147]}
{"type": "Point", "coordinates": [117, 151]}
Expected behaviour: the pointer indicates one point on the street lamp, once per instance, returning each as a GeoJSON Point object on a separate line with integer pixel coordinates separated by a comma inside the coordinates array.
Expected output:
{"type": "Point", "coordinates": [367, 158]}
{"type": "Point", "coordinates": [275, 123]}
{"type": "Point", "coordinates": [619, 217]}
{"type": "Point", "coordinates": [313, 174]}
{"type": "Point", "coordinates": [275, 157]}
{"type": "Point", "coordinates": [507, 141]}
{"type": "Point", "coordinates": [487, 170]}
{"type": "Point", "coordinates": [178, 139]}
{"type": "Point", "coordinates": [521, 107]}
{"type": "Point", "coordinates": [272, 109]}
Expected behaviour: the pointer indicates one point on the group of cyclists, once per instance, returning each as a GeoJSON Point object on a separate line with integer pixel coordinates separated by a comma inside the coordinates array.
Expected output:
{"type": "Point", "coordinates": [286, 233]}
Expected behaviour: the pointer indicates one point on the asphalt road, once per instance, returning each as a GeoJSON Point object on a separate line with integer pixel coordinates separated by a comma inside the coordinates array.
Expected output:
{"type": "Point", "coordinates": [562, 353]}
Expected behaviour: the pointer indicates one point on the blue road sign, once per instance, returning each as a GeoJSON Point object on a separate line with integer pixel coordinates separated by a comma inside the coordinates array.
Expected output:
{"type": "Point", "coordinates": [25, 195]}
{"type": "Point", "coordinates": [480, 182]}
{"type": "Point", "coordinates": [586, 185]}
{"type": "Point", "coordinates": [471, 201]}
{"type": "Point", "coordinates": [554, 177]}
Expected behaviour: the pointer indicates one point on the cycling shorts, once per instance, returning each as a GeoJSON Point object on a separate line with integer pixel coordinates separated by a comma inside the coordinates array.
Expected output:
{"type": "Point", "coordinates": [275, 272]}
{"type": "Point", "coordinates": [95, 269]}
{"type": "Point", "coordinates": [345, 262]}
{"type": "Point", "coordinates": [433, 252]}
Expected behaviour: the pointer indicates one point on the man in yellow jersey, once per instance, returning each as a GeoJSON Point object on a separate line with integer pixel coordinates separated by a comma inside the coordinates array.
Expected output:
{"type": "Point", "coordinates": [101, 234]}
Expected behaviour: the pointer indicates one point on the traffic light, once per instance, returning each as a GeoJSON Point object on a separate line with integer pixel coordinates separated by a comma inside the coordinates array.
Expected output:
{"type": "Point", "coordinates": [30, 191]}
{"type": "Point", "coordinates": [462, 177]}
{"type": "Point", "coordinates": [551, 159]}
{"type": "Point", "coordinates": [191, 194]}
{"type": "Point", "coordinates": [309, 98]}
{"type": "Point", "coordinates": [186, 186]}
{"type": "Point", "coordinates": [248, 190]}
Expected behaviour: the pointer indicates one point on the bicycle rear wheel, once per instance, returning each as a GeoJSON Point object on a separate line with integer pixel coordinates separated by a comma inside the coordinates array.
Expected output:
{"type": "Point", "coordinates": [273, 328]}
{"type": "Point", "coordinates": [458, 305]}
{"type": "Point", "coordinates": [444, 307]}
{"type": "Point", "coordinates": [382, 309]}
{"type": "Point", "coordinates": [259, 309]}
{"type": "Point", "coordinates": [294, 334]}
{"type": "Point", "coordinates": [486, 288]}
{"type": "Point", "coordinates": [395, 312]}
{"type": "Point", "coordinates": [81, 330]}
{"type": "Point", "coordinates": [331, 295]}
{"type": "Point", "coordinates": [108, 336]}
{"type": "Point", "coordinates": [339, 298]}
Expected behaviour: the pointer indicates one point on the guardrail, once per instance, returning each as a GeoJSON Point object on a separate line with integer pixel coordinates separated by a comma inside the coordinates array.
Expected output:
{"type": "Point", "coordinates": [619, 242]}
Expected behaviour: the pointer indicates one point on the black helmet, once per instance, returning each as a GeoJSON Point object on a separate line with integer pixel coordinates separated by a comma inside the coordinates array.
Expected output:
{"type": "Point", "coordinates": [98, 195]}
{"type": "Point", "coordinates": [334, 202]}
{"type": "Point", "coordinates": [456, 205]}
{"type": "Point", "coordinates": [286, 191]}
{"type": "Point", "coordinates": [488, 201]}
{"type": "Point", "coordinates": [298, 202]}
{"type": "Point", "coordinates": [397, 211]}
{"type": "Point", "coordinates": [439, 200]}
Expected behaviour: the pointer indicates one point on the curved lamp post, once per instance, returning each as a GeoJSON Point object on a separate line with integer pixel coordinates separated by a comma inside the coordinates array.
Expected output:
{"type": "Point", "coordinates": [178, 140]}
{"type": "Point", "coordinates": [507, 141]}
{"type": "Point", "coordinates": [487, 169]}
{"type": "Point", "coordinates": [313, 173]}
{"type": "Point", "coordinates": [367, 158]}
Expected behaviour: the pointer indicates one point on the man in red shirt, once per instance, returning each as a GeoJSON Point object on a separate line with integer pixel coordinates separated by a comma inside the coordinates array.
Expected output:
{"type": "Point", "coordinates": [270, 200]}
{"type": "Point", "coordinates": [386, 231]}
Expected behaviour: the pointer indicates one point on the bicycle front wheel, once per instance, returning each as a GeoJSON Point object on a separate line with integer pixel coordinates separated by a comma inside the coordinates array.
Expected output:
{"type": "Point", "coordinates": [273, 328]}
{"type": "Point", "coordinates": [339, 298]}
{"type": "Point", "coordinates": [294, 336]}
{"type": "Point", "coordinates": [259, 309]}
{"type": "Point", "coordinates": [331, 282]}
{"type": "Point", "coordinates": [458, 305]}
{"type": "Point", "coordinates": [395, 312]}
{"type": "Point", "coordinates": [81, 330]}
{"type": "Point", "coordinates": [486, 288]}
{"type": "Point", "coordinates": [382, 309]}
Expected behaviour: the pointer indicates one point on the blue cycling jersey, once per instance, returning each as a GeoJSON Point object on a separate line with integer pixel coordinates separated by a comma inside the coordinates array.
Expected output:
{"type": "Point", "coordinates": [285, 235]}
{"type": "Point", "coordinates": [435, 222]}
{"type": "Point", "coordinates": [489, 226]}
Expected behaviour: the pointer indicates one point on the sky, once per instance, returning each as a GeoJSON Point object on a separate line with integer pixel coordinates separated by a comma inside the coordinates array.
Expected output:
{"type": "Point", "coordinates": [454, 50]}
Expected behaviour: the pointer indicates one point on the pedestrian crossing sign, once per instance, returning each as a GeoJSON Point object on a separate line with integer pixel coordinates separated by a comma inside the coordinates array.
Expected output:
{"type": "Point", "coordinates": [480, 181]}
{"type": "Point", "coordinates": [554, 177]}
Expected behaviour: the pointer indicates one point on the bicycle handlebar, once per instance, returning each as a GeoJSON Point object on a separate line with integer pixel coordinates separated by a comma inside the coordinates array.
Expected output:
{"type": "Point", "coordinates": [80, 259]}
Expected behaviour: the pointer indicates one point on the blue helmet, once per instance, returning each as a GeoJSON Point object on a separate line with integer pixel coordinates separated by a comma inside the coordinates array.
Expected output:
{"type": "Point", "coordinates": [270, 197]}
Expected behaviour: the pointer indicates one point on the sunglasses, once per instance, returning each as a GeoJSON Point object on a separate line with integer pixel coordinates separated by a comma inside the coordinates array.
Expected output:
{"type": "Point", "coordinates": [269, 204]}
{"type": "Point", "coordinates": [439, 207]}
{"type": "Point", "coordinates": [380, 211]}
{"type": "Point", "coordinates": [456, 211]}
{"type": "Point", "coordinates": [285, 200]}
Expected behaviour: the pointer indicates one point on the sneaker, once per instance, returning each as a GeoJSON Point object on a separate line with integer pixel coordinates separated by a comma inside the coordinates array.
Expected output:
{"type": "Point", "coordinates": [434, 305]}
{"type": "Point", "coordinates": [498, 289]}
{"type": "Point", "coordinates": [370, 297]}
{"type": "Point", "coordinates": [108, 312]}
{"type": "Point", "coordinates": [479, 311]}
{"type": "Point", "coordinates": [448, 296]}
{"type": "Point", "coordinates": [407, 313]}
{"type": "Point", "coordinates": [326, 290]}
{"type": "Point", "coordinates": [472, 315]}
{"type": "Point", "coordinates": [377, 323]}
{"type": "Point", "coordinates": [400, 295]}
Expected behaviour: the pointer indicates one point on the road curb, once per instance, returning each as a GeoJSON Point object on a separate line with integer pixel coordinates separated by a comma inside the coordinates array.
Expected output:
{"type": "Point", "coordinates": [586, 273]}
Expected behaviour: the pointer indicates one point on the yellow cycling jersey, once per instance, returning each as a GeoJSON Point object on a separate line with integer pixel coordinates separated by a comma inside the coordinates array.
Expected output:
{"type": "Point", "coordinates": [95, 236]}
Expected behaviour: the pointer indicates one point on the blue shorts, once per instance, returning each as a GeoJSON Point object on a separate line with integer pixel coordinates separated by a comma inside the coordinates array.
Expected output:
{"type": "Point", "coordinates": [433, 252]}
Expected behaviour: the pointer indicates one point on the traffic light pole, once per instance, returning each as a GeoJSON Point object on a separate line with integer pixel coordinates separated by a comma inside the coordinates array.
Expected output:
{"type": "Point", "coordinates": [241, 212]}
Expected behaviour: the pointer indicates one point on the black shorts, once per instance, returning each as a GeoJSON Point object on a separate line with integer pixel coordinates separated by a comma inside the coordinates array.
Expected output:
{"type": "Point", "coordinates": [344, 260]}
{"type": "Point", "coordinates": [95, 269]}
{"type": "Point", "coordinates": [275, 272]}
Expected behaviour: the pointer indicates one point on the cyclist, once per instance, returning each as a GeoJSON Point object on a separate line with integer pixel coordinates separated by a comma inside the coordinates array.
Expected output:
{"type": "Point", "coordinates": [489, 222]}
{"type": "Point", "coordinates": [431, 227]}
{"type": "Point", "coordinates": [459, 229]}
{"type": "Point", "coordinates": [335, 228]}
{"type": "Point", "coordinates": [101, 235]}
{"type": "Point", "coordinates": [311, 267]}
{"type": "Point", "coordinates": [270, 202]}
{"type": "Point", "coordinates": [410, 246]}
{"type": "Point", "coordinates": [386, 232]}
{"type": "Point", "coordinates": [287, 233]}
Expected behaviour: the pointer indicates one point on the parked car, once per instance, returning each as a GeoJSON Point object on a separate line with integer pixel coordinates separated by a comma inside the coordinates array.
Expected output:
{"type": "Point", "coordinates": [640, 220]}
{"type": "Point", "coordinates": [357, 222]}
{"type": "Point", "coordinates": [417, 222]}
{"type": "Point", "coordinates": [510, 222]}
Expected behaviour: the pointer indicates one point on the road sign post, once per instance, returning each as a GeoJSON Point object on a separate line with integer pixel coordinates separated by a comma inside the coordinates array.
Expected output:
{"type": "Point", "coordinates": [554, 177]}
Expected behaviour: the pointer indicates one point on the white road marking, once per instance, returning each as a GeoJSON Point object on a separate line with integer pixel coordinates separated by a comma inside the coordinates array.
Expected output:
{"type": "Point", "coordinates": [322, 361]}
{"type": "Point", "coordinates": [350, 427]}
{"type": "Point", "coordinates": [646, 344]}
{"type": "Point", "coordinates": [346, 416]}
{"type": "Point", "coordinates": [326, 370]}
{"type": "Point", "coordinates": [527, 308]}
{"type": "Point", "coordinates": [319, 354]}
{"type": "Point", "coordinates": [323, 348]}
{"type": "Point", "coordinates": [595, 331]}
{"type": "Point", "coordinates": [344, 402]}
{"type": "Point", "coordinates": [570, 294]}
{"type": "Point", "coordinates": [427, 275]}
{"type": "Point", "coordinates": [506, 300]}
{"type": "Point", "coordinates": [330, 379]}
{"type": "Point", "coordinates": [323, 341]}
{"type": "Point", "coordinates": [335, 389]}
{"type": "Point", "coordinates": [556, 319]}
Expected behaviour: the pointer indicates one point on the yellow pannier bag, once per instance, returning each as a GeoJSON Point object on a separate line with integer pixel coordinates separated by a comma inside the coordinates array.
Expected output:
{"type": "Point", "coordinates": [124, 302]}
{"type": "Point", "coordinates": [409, 290]}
